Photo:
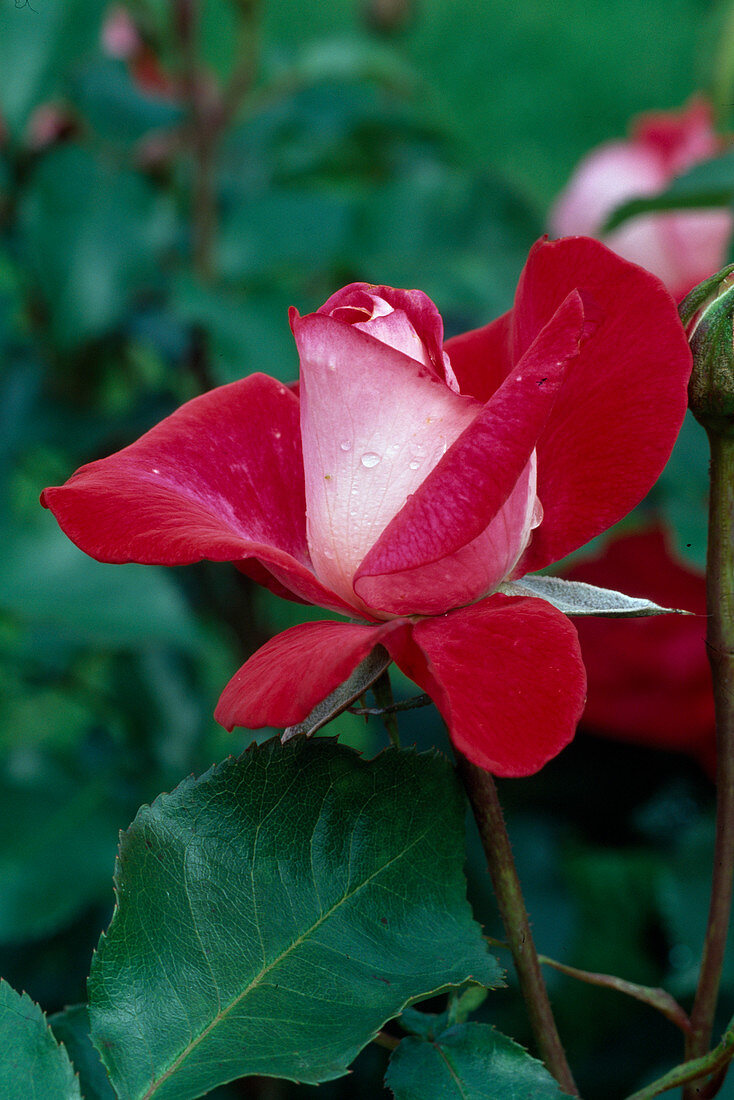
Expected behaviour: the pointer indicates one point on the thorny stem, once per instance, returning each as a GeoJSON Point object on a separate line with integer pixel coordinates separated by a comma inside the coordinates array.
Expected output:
{"type": "Point", "coordinates": [482, 793]}
{"type": "Point", "coordinates": [382, 691]}
{"type": "Point", "coordinates": [720, 644]}
{"type": "Point", "coordinates": [404, 704]}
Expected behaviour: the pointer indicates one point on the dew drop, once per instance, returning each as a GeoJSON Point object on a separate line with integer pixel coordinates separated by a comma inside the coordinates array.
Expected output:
{"type": "Point", "coordinates": [414, 464]}
{"type": "Point", "coordinates": [370, 459]}
{"type": "Point", "coordinates": [276, 433]}
{"type": "Point", "coordinates": [346, 444]}
{"type": "Point", "coordinates": [155, 470]}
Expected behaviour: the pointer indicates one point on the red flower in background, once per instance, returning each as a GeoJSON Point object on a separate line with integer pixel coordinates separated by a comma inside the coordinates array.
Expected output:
{"type": "Point", "coordinates": [680, 248]}
{"type": "Point", "coordinates": [649, 680]}
{"type": "Point", "coordinates": [406, 482]}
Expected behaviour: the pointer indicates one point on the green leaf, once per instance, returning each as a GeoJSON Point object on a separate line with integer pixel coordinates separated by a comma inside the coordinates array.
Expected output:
{"type": "Point", "coordinates": [468, 1062]}
{"type": "Point", "coordinates": [272, 915]}
{"type": "Point", "coordinates": [40, 42]}
{"type": "Point", "coordinates": [89, 257]}
{"type": "Point", "coordinates": [71, 1027]}
{"type": "Point", "coordinates": [579, 598]}
{"type": "Point", "coordinates": [32, 1064]}
{"type": "Point", "coordinates": [115, 105]}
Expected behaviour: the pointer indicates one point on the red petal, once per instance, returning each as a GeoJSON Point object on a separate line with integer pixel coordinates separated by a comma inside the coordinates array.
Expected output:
{"type": "Point", "coordinates": [615, 421]}
{"type": "Point", "coordinates": [282, 683]}
{"type": "Point", "coordinates": [507, 676]}
{"type": "Point", "coordinates": [482, 359]}
{"type": "Point", "coordinates": [465, 492]}
{"type": "Point", "coordinates": [221, 478]}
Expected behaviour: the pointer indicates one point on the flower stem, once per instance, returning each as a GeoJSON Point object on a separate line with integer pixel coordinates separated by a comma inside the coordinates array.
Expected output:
{"type": "Point", "coordinates": [720, 644]}
{"type": "Point", "coordinates": [382, 691]}
{"type": "Point", "coordinates": [482, 792]}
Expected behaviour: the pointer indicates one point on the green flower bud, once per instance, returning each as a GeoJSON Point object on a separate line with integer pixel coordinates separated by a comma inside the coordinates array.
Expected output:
{"type": "Point", "coordinates": [707, 314]}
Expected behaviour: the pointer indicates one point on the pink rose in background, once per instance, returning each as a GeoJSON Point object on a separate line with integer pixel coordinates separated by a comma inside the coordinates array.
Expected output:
{"type": "Point", "coordinates": [405, 481]}
{"type": "Point", "coordinates": [649, 680]}
{"type": "Point", "coordinates": [681, 248]}
{"type": "Point", "coordinates": [121, 39]}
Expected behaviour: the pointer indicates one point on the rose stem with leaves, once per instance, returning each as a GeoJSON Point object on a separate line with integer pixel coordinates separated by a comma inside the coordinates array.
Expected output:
{"type": "Point", "coordinates": [482, 792]}
{"type": "Point", "coordinates": [711, 399]}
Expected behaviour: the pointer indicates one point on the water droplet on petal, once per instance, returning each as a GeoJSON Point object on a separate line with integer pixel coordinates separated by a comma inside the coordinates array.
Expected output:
{"type": "Point", "coordinates": [370, 459]}
{"type": "Point", "coordinates": [276, 433]}
{"type": "Point", "coordinates": [346, 444]}
{"type": "Point", "coordinates": [414, 464]}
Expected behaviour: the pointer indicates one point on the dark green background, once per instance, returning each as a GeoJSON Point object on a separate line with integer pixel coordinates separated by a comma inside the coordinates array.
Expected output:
{"type": "Point", "coordinates": [425, 155]}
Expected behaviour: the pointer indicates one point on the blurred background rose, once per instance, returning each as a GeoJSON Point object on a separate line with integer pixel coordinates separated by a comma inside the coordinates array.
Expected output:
{"type": "Point", "coordinates": [649, 680]}
{"type": "Point", "coordinates": [681, 248]}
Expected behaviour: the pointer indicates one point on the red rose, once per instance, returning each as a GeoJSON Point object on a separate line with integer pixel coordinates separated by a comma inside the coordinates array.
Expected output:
{"type": "Point", "coordinates": [407, 482]}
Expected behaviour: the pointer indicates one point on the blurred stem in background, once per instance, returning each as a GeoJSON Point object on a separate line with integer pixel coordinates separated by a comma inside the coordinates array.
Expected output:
{"type": "Point", "coordinates": [210, 111]}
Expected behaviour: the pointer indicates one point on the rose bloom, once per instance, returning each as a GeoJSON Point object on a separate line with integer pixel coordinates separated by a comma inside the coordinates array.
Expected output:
{"type": "Point", "coordinates": [649, 680]}
{"type": "Point", "coordinates": [404, 481]}
{"type": "Point", "coordinates": [682, 248]}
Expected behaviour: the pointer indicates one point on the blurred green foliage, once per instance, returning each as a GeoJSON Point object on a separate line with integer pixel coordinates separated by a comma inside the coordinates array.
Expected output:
{"type": "Point", "coordinates": [140, 265]}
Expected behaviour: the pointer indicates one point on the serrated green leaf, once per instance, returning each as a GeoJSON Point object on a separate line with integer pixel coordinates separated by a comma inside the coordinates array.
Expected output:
{"type": "Point", "coordinates": [32, 1064]}
{"type": "Point", "coordinates": [579, 598]}
{"type": "Point", "coordinates": [71, 1027]}
{"type": "Point", "coordinates": [468, 1062]}
{"type": "Point", "coordinates": [273, 914]}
